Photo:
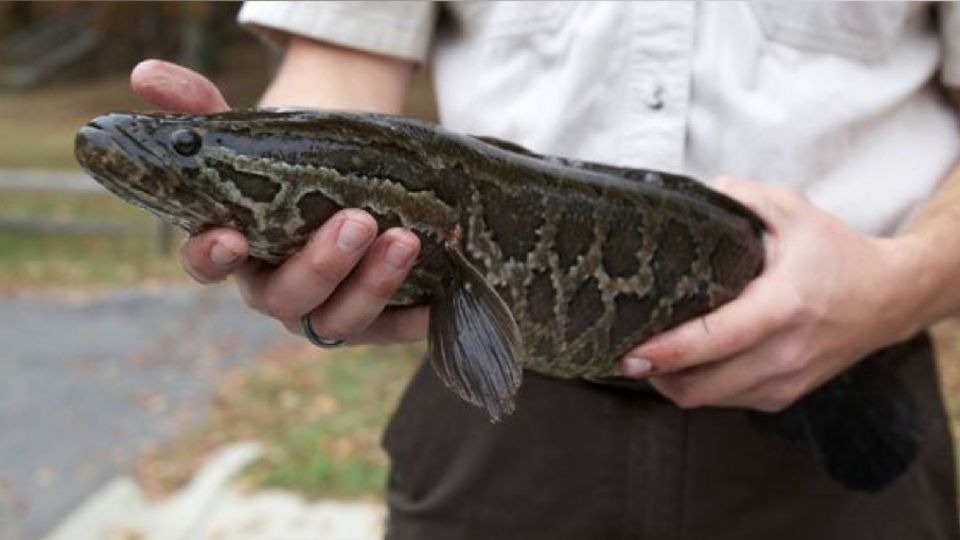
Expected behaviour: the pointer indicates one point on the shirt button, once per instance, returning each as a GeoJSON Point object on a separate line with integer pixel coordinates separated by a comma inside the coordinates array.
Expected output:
{"type": "Point", "coordinates": [654, 101]}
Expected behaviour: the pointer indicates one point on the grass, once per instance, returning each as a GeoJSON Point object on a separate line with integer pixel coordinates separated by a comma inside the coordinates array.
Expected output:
{"type": "Point", "coordinates": [319, 417]}
{"type": "Point", "coordinates": [68, 207]}
{"type": "Point", "coordinates": [29, 262]}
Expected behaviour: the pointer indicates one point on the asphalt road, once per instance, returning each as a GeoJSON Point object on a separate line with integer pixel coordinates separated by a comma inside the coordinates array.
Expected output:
{"type": "Point", "coordinates": [87, 383]}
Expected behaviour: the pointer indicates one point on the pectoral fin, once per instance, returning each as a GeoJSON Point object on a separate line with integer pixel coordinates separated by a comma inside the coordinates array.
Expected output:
{"type": "Point", "coordinates": [474, 344]}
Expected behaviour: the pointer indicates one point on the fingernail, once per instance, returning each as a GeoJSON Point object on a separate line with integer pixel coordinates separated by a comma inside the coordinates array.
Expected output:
{"type": "Point", "coordinates": [221, 255]}
{"type": "Point", "coordinates": [398, 255]}
{"type": "Point", "coordinates": [636, 367]}
{"type": "Point", "coordinates": [352, 236]}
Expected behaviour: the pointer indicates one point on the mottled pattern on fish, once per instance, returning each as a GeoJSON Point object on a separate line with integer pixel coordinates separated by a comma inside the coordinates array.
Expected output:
{"type": "Point", "coordinates": [591, 259]}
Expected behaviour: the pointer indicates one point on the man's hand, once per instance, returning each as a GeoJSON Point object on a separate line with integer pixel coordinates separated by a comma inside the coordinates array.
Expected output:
{"type": "Point", "coordinates": [828, 296]}
{"type": "Point", "coordinates": [345, 274]}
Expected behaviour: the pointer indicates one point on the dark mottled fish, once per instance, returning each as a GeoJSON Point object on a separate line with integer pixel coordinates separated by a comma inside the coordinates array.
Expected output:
{"type": "Point", "coordinates": [527, 261]}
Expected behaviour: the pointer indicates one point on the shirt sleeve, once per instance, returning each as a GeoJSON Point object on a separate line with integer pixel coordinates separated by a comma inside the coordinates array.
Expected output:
{"type": "Point", "coordinates": [399, 29]}
{"type": "Point", "coordinates": [949, 16]}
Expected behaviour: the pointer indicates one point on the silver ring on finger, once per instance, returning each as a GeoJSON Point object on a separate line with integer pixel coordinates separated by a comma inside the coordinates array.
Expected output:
{"type": "Point", "coordinates": [312, 336]}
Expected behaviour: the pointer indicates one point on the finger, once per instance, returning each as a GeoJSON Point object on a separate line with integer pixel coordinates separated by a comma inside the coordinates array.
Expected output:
{"type": "Point", "coordinates": [358, 301]}
{"type": "Point", "coordinates": [732, 328]}
{"type": "Point", "coordinates": [723, 383]}
{"type": "Point", "coordinates": [211, 256]}
{"type": "Point", "coordinates": [773, 204]}
{"type": "Point", "coordinates": [397, 325]}
{"type": "Point", "coordinates": [176, 88]}
{"type": "Point", "coordinates": [394, 325]}
{"type": "Point", "coordinates": [772, 395]}
{"type": "Point", "coordinates": [788, 386]}
{"type": "Point", "coordinates": [308, 278]}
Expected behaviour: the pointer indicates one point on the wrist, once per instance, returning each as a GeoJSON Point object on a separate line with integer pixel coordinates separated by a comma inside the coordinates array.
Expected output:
{"type": "Point", "coordinates": [913, 283]}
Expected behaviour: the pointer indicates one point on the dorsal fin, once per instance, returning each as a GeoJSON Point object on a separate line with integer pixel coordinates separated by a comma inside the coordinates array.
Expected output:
{"type": "Point", "coordinates": [673, 182]}
{"type": "Point", "coordinates": [507, 145]}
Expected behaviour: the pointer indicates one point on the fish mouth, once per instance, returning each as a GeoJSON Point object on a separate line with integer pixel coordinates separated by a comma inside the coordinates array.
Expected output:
{"type": "Point", "coordinates": [121, 164]}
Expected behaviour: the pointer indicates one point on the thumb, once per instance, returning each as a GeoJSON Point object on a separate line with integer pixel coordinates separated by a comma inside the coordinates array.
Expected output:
{"type": "Point", "coordinates": [176, 88]}
{"type": "Point", "coordinates": [773, 205]}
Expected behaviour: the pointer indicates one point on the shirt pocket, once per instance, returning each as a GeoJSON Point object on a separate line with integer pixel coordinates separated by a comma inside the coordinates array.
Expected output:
{"type": "Point", "coordinates": [865, 31]}
{"type": "Point", "coordinates": [519, 35]}
{"type": "Point", "coordinates": [521, 18]}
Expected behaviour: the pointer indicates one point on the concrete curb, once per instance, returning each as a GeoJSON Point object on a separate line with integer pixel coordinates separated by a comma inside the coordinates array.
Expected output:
{"type": "Point", "coordinates": [95, 518]}
{"type": "Point", "coordinates": [212, 508]}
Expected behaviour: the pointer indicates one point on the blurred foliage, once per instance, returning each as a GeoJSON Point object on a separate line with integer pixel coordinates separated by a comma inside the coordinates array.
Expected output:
{"type": "Point", "coordinates": [136, 30]}
{"type": "Point", "coordinates": [19, 15]}
{"type": "Point", "coordinates": [319, 416]}
{"type": "Point", "coordinates": [196, 34]}
{"type": "Point", "coordinates": [38, 126]}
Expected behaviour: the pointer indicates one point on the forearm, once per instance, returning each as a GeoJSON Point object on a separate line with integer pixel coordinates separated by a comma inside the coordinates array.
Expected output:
{"type": "Point", "coordinates": [930, 246]}
{"type": "Point", "coordinates": [322, 75]}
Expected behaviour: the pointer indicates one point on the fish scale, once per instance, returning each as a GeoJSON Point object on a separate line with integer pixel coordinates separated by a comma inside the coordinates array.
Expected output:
{"type": "Point", "coordinates": [527, 261]}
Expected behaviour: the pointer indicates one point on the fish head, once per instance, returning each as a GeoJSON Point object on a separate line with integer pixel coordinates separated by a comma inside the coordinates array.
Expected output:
{"type": "Point", "coordinates": [155, 161]}
{"type": "Point", "coordinates": [197, 172]}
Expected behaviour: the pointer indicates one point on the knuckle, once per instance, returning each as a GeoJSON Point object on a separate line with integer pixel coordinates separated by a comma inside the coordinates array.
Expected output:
{"type": "Point", "coordinates": [791, 361]}
{"type": "Point", "coordinates": [254, 301]}
{"type": "Point", "coordinates": [788, 198]}
{"type": "Point", "coordinates": [251, 300]}
{"type": "Point", "coordinates": [794, 308]}
{"type": "Point", "coordinates": [326, 271]}
{"type": "Point", "coordinates": [291, 325]}
{"type": "Point", "coordinates": [251, 294]}
{"type": "Point", "coordinates": [684, 396]}
{"type": "Point", "coordinates": [276, 305]}
{"type": "Point", "coordinates": [687, 401]}
{"type": "Point", "coordinates": [332, 329]}
{"type": "Point", "coordinates": [734, 341]}
{"type": "Point", "coordinates": [380, 286]}
{"type": "Point", "coordinates": [786, 394]}
{"type": "Point", "coordinates": [805, 313]}
{"type": "Point", "coordinates": [770, 406]}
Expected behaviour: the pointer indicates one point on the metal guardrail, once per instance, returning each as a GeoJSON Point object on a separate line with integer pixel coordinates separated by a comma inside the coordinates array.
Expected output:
{"type": "Point", "coordinates": [48, 181]}
{"type": "Point", "coordinates": [70, 182]}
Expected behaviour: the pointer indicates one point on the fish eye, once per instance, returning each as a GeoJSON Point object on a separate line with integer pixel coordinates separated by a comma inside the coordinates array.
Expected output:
{"type": "Point", "coordinates": [186, 142]}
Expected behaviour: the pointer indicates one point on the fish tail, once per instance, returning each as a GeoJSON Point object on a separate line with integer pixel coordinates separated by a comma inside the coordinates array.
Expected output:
{"type": "Point", "coordinates": [862, 427]}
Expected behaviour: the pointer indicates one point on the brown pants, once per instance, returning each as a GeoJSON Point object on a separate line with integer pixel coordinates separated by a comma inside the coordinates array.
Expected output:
{"type": "Point", "coordinates": [584, 461]}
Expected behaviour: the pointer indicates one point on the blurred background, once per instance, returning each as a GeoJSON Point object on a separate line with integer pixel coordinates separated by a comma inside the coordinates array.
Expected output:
{"type": "Point", "coordinates": [120, 379]}
{"type": "Point", "coordinates": [125, 388]}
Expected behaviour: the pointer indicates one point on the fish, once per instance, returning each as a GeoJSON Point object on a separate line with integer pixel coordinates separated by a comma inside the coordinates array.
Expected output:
{"type": "Point", "coordinates": [527, 261]}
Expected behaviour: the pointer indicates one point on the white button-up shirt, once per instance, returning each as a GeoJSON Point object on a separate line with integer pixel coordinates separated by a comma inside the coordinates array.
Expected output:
{"type": "Point", "coordinates": [840, 101]}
